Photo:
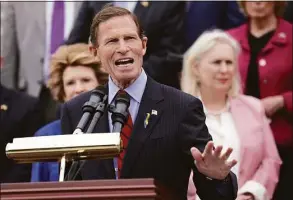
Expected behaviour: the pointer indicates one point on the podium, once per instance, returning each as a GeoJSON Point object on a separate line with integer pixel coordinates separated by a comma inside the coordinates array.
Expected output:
{"type": "Point", "coordinates": [139, 189]}
{"type": "Point", "coordinates": [76, 147]}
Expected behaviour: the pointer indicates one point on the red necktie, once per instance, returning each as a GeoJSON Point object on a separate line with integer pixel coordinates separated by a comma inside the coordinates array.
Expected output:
{"type": "Point", "coordinates": [125, 135]}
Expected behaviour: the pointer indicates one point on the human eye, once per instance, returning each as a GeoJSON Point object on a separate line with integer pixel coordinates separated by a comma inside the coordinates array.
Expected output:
{"type": "Point", "coordinates": [217, 62]}
{"type": "Point", "coordinates": [129, 37]}
{"type": "Point", "coordinates": [111, 41]}
{"type": "Point", "coordinates": [229, 62]}
{"type": "Point", "coordinates": [85, 80]}
{"type": "Point", "coordinates": [69, 82]}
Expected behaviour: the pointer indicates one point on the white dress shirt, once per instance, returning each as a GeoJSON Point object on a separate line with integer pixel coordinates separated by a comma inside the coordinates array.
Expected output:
{"type": "Point", "coordinates": [135, 91]}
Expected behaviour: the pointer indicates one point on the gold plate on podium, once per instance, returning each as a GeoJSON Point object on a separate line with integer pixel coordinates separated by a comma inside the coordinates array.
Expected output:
{"type": "Point", "coordinates": [74, 147]}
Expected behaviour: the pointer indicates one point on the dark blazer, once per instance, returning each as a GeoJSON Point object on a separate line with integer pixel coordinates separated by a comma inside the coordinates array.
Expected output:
{"type": "Point", "coordinates": [288, 15]}
{"type": "Point", "coordinates": [19, 117]}
{"type": "Point", "coordinates": [163, 25]}
{"type": "Point", "coordinates": [47, 171]}
{"type": "Point", "coordinates": [162, 149]}
{"type": "Point", "coordinates": [205, 15]}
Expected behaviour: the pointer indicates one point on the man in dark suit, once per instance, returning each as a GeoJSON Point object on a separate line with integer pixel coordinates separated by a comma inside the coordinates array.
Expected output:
{"type": "Point", "coordinates": [288, 15]}
{"type": "Point", "coordinates": [163, 25]}
{"type": "Point", "coordinates": [168, 131]}
{"type": "Point", "coordinates": [205, 15]}
{"type": "Point", "coordinates": [19, 117]}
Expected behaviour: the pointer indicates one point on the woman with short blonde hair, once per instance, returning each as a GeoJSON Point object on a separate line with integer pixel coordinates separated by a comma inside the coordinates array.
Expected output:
{"type": "Point", "coordinates": [190, 83]}
{"type": "Point", "coordinates": [74, 70]}
{"type": "Point", "coordinates": [72, 55]}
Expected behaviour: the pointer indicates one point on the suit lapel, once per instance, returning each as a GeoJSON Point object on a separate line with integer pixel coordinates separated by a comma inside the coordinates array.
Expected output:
{"type": "Point", "coordinates": [237, 114]}
{"type": "Point", "coordinates": [141, 132]}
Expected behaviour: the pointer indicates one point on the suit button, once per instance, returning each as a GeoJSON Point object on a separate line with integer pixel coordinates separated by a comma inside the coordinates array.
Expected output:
{"type": "Point", "coordinates": [282, 35]}
{"type": "Point", "coordinates": [42, 60]}
{"type": "Point", "coordinates": [262, 62]}
{"type": "Point", "coordinates": [265, 81]}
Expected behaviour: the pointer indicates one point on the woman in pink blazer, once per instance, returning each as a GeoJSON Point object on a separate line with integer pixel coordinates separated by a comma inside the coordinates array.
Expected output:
{"type": "Point", "coordinates": [210, 72]}
{"type": "Point", "coordinates": [265, 65]}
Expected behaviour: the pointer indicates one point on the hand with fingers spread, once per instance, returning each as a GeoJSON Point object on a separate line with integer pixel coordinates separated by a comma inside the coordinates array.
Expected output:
{"type": "Point", "coordinates": [212, 162]}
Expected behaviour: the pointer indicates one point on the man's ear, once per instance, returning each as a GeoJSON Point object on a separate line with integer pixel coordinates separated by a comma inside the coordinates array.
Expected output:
{"type": "Point", "coordinates": [144, 44]}
{"type": "Point", "coordinates": [93, 50]}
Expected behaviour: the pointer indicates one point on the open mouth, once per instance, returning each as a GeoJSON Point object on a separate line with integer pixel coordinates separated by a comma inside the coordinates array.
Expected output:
{"type": "Point", "coordinates": [124, 61]}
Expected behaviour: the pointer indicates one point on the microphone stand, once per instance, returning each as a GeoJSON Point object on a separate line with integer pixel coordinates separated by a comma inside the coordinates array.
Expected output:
{"type": "Point", "coordinates": [89, 107]}
{"type": "Point", "coordinates": [100, 109]}
{"type": "Point", "coordinates": [73, 171]}
{"type": "Point", "coordinates": [119, 117]}
{"type": "Point", "coordinates": [120, 111]}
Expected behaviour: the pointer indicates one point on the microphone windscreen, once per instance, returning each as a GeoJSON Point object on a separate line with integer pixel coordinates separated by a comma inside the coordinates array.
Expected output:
{"type": "Point", "coordinates": [102, 88]}
{"type": "Point", "coordinates": [123, 97]}
{"type": "Point", "coordinates": [98, 93]}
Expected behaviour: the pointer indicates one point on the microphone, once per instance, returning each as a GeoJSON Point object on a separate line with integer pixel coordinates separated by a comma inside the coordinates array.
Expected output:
{"type": "Point", "coordinates": [89, 107]}
{"type": "Point", "coordinates": [95, 104]}
{"type": "Point", "coordinates": [119, 117]}
{"type": "Point", "coordinates": [100, 109]}
{"type": "Point", "coordinates": [120, 111]}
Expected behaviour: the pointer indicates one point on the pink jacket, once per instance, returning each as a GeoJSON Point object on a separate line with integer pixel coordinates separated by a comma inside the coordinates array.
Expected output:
{"type": "Point", "coordinates": [275, 73]}
{"type": "Point", "coordinates": [260, 161]}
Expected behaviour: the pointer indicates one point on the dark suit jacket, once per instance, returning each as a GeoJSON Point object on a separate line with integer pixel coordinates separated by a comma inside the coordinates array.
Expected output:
{"type": "Point", "coordinates": [163, 25]}
{"type": "Point", "coordinates": [21, 119]}
{"type": "Point", "coordinates": [162, 149]}
{"type": "Point", "coordinates": [288, 15]}
{"type": "Point", "coordinates": [205, 15]}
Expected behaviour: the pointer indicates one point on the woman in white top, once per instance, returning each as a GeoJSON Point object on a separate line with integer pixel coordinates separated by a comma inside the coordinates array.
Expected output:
{"type": "Point", "coordinates": [234, 120]}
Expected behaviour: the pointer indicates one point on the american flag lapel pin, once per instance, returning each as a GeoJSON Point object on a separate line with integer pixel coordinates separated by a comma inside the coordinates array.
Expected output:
{"type": "Point", "coordinates": [154, 112]}
{"type": "Point", "coordinates": [4, 107]}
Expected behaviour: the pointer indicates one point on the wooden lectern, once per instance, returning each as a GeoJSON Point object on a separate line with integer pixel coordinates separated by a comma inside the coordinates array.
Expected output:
{"type": "Point", "coordinates": [140, 189]}
{"type": "Point", "coordinates": [83, 146]}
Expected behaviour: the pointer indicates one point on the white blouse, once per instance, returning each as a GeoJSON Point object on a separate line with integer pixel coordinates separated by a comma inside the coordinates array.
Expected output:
{"type": "Point", "coordinates": [223, 132]}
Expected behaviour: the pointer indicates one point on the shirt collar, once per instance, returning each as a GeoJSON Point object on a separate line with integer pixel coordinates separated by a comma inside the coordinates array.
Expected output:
{"type": "Point", "coordinates": [135, 90]}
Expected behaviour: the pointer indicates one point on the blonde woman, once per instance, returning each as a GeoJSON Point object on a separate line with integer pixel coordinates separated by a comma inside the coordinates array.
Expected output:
{"type": "Point", "coordinates": [210, 72]}
{"type": "Point", "coordinates": [73, 71]}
